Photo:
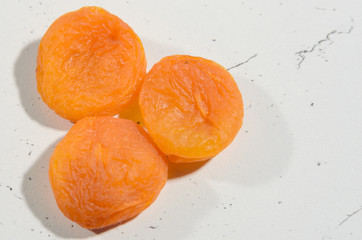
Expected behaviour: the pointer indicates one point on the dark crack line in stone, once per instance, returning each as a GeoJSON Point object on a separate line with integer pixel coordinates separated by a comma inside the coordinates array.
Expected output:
{"type": "Point", "coordinates": [18, 197]}
{"type": "Point", "coordinates": [349, 216]}
{"type": "Point", "coordinates": [239, 64]}
{"type": "Point", "coordinates": [303, 54]}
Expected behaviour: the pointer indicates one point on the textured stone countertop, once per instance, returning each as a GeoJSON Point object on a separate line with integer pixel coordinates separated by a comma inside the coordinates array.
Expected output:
{"type": "Point", "coordinates": [293, 172]}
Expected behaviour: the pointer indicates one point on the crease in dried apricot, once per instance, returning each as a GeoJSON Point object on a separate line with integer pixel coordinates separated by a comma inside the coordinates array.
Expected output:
{"type": "Point", "coordinates": [191, 107]}
{"type": "Point", "coordinates": [106, 171]}
{"type": "Point", "coordinates": [89, 63]}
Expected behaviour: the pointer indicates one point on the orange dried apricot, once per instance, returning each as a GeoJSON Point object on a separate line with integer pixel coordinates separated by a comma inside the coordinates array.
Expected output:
{"type": "Point", "coordinates": [191, 107]}
{"type": "Point", "coordinates": [105, 171]}
{"type": "Point", "coordinates": [89, 63]}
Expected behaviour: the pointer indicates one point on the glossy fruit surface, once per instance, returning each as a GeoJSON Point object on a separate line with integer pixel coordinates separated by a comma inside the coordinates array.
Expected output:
{"type": "Point", "coordinates": [191, 106]}
{"type": "Point", "coordinates": [89, 63]}
{"type": "Point", "coordinates": [105, 171]}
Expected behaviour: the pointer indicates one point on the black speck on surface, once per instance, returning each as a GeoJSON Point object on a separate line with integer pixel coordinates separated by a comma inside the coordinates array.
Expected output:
{"type": "Point", "coordinates": [29, 153]}
{"type": "Point", "coordinates": [9, 188]}
{"type": "Point", "coordinates": [280, 202]}
{"type": "Point", "coordinates": [72, 225]}
{"type": "Point", "coordinates": [153, 227]}
{"type": "Point", "coordinates": [138, 122]}
{"type": "Point", "coordinates": [214, 40]}
{"type": "Point", "coordinates": [318, 164]}
{"type": "Point", "coordinates": [312, 104]}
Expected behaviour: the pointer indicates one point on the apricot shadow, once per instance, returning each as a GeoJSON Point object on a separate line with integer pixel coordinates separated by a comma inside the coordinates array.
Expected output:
{"type": "Point", "coordinates": [24, 72]}
{"type": "Point", "coordinates": [176, 170]}
{"type": "Point", "coordinates": [263, 148]}
{"type": "Point", "coordinates": [40, 200]}
{"type": "Point", "coordinates": [176, 214]}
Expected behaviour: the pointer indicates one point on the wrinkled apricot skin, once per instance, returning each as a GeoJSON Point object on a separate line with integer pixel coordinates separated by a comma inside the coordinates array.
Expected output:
{"type": "Point", "coordinates": [89, 63]}
{"type": "Point", "coordinates": [105, 171]}
{"type": "Point", "coordinates": [191, 107]}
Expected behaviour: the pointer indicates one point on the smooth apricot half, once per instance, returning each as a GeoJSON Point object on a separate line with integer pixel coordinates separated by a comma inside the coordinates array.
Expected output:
{"type": "Point", "coordinates": [105, 171]}
{"type": "Point", "coordinates": [191, 106]}
{"type": "Point", "coordinates": [89, 63]}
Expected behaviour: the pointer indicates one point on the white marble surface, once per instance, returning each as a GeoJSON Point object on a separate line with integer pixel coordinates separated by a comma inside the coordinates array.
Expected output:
{"type": "Point", "coordinates": [293, 172]}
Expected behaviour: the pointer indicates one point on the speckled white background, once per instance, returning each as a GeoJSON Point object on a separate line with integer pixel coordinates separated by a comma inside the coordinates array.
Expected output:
{"type": "Point", "coordinates": [293, 172]}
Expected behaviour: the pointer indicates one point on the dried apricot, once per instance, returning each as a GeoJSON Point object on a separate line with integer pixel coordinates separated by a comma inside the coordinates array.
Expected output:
{"type": "Point", "coordinates": [106, 170]}
{"type": "Point", "coordinates": [89, 63]}
{"type": "Point", "coordinates": [191, 107]}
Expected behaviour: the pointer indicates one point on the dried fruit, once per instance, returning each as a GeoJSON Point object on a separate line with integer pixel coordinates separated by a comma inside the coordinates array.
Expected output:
{"type": "Point", "coordinates": [89, 63]}
{"type": "Point", "coordinates": [191, 107]}
{"type": "Point", "coordinates": [106, 170]}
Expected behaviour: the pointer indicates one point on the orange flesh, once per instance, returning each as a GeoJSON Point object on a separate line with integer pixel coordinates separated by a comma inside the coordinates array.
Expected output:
{"type": "Point", "coordinates": [191, 107]}
{"type": "Point", "coordinates": [106, 171]}
{"type": "Point", "coordinates": [89, 63]}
